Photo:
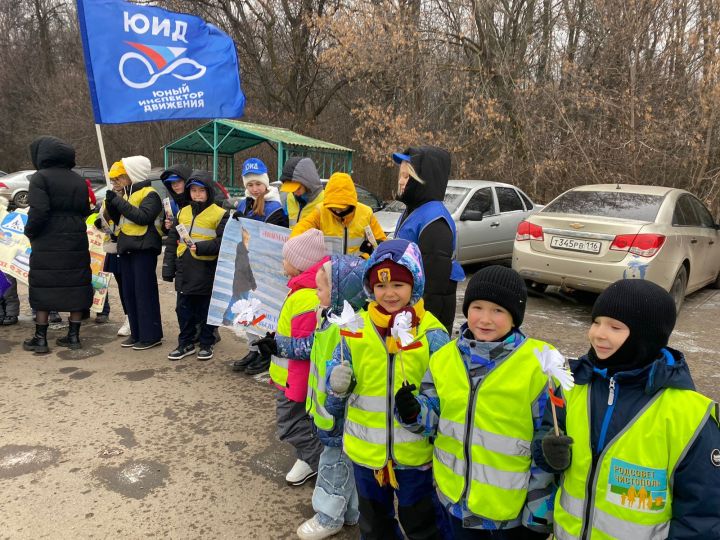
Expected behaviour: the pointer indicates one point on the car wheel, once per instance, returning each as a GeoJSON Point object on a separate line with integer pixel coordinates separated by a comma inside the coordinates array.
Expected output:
{"type": "Point", "coordinates": [21, 199]}
{"type": "Point", "coordinates": [677, 291]}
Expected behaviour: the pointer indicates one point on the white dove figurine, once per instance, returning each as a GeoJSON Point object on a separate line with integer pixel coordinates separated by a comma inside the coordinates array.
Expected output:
{"type": "Point", "coordinates": [348, 319]}
{"type": "Point", "coordinates": [553, 365]}
{"type": "Point", "coordinates": [401, 328]}
{"type": "Point", "coordinates": [245, 310]}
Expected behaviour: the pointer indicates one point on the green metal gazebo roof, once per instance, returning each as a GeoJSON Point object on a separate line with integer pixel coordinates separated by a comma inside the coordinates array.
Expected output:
{"type": "Point", "coordinates": [222, 139]}
{"type": "Point", "coordinates": [238, 136]}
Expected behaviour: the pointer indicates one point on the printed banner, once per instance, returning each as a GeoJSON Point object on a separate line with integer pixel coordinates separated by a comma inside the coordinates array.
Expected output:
{"type": "Point", "coordinates": [250, 265]}
{"type": "Point", "coordinates": [15, 254]}
{"type": "Point", "coordinates": [145, 63]}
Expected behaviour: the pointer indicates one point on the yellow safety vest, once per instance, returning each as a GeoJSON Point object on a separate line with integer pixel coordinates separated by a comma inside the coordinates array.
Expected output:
{"type": "Point", "coordinates": [130, 228]}
{"type": "Point", "coordinates": [494, 423]}
{"type": "Point", "coordinates": [295, 304]}
{"type": "Point", "coordinates": [323, 347]}
{"type": "Point", "coordinates": [294, 212]}
{"type": "Point", "coordinates": [629, 494]}
{"type": "Point", "coordinates": [201, 227]}
{"type": "Point", "coordinates": [372, 434]}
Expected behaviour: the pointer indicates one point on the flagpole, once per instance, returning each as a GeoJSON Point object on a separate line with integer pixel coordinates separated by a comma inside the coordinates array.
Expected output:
{"type": "Point", "coordinates": [102, 154]}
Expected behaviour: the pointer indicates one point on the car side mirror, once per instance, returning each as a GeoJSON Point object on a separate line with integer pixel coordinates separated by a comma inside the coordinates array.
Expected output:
{"type": "Point", "coordinates": [472, 215]}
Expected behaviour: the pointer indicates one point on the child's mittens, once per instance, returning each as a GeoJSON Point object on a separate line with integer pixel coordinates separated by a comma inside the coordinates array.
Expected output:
{"type": "Point", "coordinates": [267, 345]}
{"type": "Point", "coordinates": [407, 406]}
{"type": "Point", "coordinates": [341, 378]}
{"type": "Point", "coordinates": [556, 450]}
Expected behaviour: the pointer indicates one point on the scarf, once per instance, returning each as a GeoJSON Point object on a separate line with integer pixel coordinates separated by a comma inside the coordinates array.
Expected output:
{"type": "Point", "coordinates": [384, 321]}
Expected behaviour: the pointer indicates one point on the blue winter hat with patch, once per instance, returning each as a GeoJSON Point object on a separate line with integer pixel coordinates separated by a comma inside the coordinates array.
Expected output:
{"type": "Point", "coordinates": [254, 166]}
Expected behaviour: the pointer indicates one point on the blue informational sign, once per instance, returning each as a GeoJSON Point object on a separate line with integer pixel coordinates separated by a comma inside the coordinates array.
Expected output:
{"type": "Point", "coordinates": [145, 63]}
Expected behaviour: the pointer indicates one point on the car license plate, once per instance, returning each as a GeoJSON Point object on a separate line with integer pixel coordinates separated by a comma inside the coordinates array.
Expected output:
{"type": "Point", "coordinates": [575, 244]}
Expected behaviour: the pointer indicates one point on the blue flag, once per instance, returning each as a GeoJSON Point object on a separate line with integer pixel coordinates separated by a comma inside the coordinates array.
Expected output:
{"type": "Point", "coordinates": [146, 63]}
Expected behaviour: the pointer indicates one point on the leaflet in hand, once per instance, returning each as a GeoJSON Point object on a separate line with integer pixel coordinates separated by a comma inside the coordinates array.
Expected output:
{"type": "Point", "coordinates": [370, 236]}
{"type": "Point", "coordinates": [168, 208]}
{"type": "Point", "coordinates": [184, 235]}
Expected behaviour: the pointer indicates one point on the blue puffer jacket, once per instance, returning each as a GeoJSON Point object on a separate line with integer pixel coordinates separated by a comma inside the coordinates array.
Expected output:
{"type": "Point", "coordinates": [696, 482]}
{"type": "Point", "coordinates": [346, 275]}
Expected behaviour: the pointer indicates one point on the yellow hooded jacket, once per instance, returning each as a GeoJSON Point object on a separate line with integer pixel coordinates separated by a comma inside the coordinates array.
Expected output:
{"type": "Point", "coordinates": [340, 193]}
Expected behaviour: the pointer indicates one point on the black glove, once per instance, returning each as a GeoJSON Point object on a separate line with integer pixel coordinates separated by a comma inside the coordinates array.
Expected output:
{"type": "Point", "coordinates": [98, 224]}
{"type": "Point", "coordinates": [556, 450]}
{"type": "Point", "coordinates": [407, 406]}
{"type": "Point", "coordinates": [237, 215]}
{"type": "Point", "coordinates": [366, 247]}
{"type": "Point", "coordinates": [109, 196]}
{"type": "Point", "coordinates": [266, 346]}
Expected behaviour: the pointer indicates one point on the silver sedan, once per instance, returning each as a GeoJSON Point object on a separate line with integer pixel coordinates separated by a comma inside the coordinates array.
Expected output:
{"type": "Point", "coordinates": [14, 187]}
{"type": "Point", "coordinates": [486, 216]}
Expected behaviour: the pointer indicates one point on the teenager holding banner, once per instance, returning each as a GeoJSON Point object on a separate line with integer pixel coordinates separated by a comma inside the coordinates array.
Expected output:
{"type": "Point", "coordinates": [261, 204]}
{"type": "Point", "coordinates": [136, 207]}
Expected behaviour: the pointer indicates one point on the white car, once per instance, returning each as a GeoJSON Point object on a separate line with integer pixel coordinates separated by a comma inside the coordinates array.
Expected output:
{"type": "Point", "coordinates": [486, 216]}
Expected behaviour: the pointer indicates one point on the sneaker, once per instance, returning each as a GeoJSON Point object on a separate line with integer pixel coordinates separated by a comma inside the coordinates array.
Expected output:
{"type": "Point", "coordinates": [9, 320]}
{"type": "Point", "coordinates": [143, 345]}
{"type": "Point", "coordinates": [124, 330]}
{"type": "Point", "coordinates": [181, 352]}
{"type": "Point", "coordinates": [129, 342]}
{"type": "Point", "coordinates": [249, 358]}
{"type": "Point", "coordinates": [313, 530]}
{"type": "Point", "coordinates": [205, 353]}
{"type": "Point", "coordinates": [300, 473]}
{"type": "Point", "coordinates": [260, 365]}
{"type": "Point", "coordinates": [101, 319]}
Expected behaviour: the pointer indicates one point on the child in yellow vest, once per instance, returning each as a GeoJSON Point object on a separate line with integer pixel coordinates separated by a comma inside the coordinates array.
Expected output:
{"type": "Point", "coordinates": [367, 371]}
{"type": "Point", "coordinates": [639, 448]}
{"type": "Point", "coordinates": [334, 500]}
{"type": "Point", "coordinates": [195, 265]}
{"type": "Point", "coordinates": [303, 256]}
{"type": "Point", "coordinates": [480, 401]}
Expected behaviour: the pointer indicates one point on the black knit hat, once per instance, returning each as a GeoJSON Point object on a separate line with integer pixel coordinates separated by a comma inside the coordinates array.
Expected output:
{"type": "Point", "coordinates": [500, 285]}
{"type": "Point", "coordinates": [647, 310]}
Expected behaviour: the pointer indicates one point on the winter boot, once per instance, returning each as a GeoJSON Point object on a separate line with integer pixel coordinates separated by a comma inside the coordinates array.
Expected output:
{"type": "Point", "coordinates": [38, 343]}
{"type": "Point", "coordinates": [72, 340]}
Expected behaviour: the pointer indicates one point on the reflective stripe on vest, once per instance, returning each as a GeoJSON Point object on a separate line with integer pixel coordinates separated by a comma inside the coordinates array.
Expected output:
{"type": "Point", "coordinates": [202, 227]}
{"type": "Point", "coordinates": [296, 303]}
{"type": "Point", "coordinates": [482, 452]}
{"type": "Point", "coordinates": [372, 434]}
{"type": "Point", "coordinates": [130, 228]}
{"type": "Point", "coordinates": [324, 345]}
{"type": "Point", "coordinates": [279, 370]}
{"type": "Point", "coordinates": [630, 493]}
{"type": "Point", "coordinates": [295, 213]}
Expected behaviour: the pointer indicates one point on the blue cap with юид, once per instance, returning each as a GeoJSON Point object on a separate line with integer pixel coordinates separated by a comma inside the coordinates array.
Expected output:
{"type": "Point", "coordinates": [253, 166]}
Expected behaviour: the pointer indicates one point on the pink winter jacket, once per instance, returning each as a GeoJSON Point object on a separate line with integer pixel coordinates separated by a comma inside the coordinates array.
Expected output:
{"type": "Point", "coordinates": [302, 303]}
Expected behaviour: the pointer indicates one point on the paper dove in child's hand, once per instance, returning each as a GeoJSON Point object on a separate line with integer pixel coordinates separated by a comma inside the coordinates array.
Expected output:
{"type": "Point", "coordinates": [401, 328]}
{"type": "Point", "coordinates": [246, 311]}
{"type": "Point", "coordinates": [553, 365]}
{"type": "Point", "coordinates": [348, 319]}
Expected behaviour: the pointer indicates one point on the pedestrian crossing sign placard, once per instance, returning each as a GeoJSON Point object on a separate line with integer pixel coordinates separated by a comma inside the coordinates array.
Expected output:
{"type": "Point", "coordinates": [14, 223]}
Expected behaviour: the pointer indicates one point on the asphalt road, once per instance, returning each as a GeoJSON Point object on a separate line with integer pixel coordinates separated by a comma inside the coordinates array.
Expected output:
{"type": "Point", "coordinates": [108, 442]}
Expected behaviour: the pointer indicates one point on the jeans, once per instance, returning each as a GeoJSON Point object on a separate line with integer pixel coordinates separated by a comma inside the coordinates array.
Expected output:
{"type": "Point", "coordinates": [335, 498]}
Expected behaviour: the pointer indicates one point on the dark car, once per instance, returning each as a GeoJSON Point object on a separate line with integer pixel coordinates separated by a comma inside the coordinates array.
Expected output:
{"type": "Point", "coordinates": [94, 174]}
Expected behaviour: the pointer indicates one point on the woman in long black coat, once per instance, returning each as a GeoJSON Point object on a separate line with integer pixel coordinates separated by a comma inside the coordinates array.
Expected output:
{"type": "Point", "coordinates": [60, 276]}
